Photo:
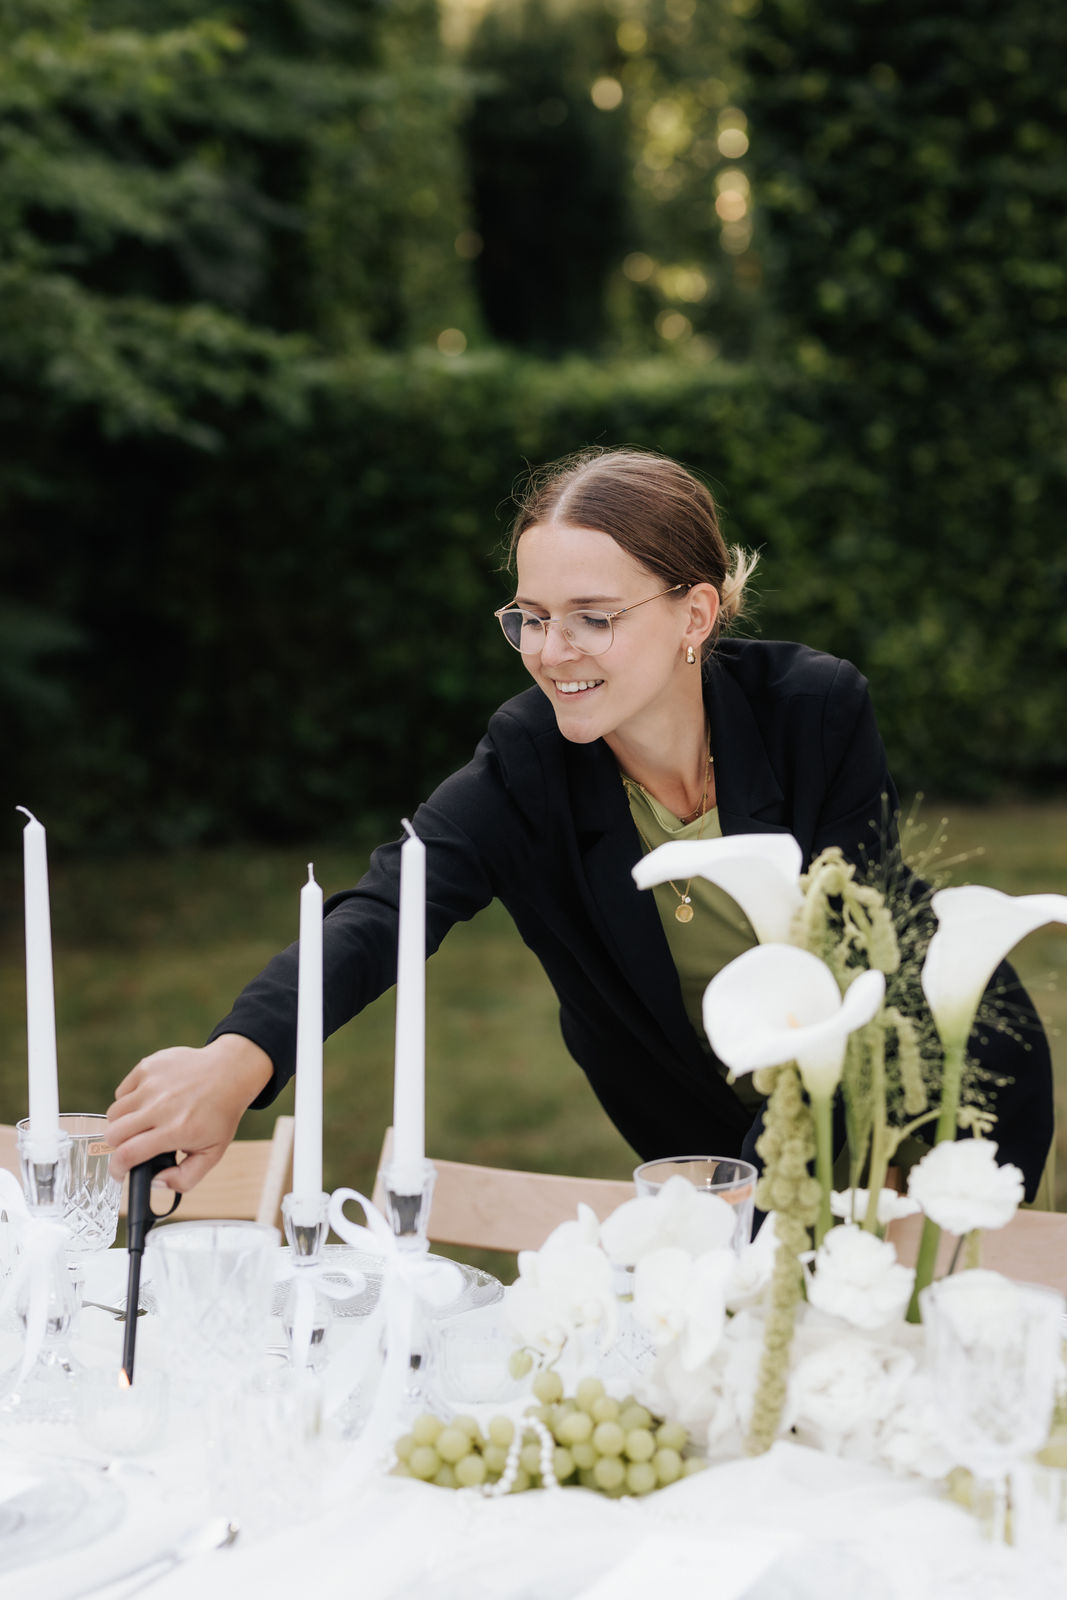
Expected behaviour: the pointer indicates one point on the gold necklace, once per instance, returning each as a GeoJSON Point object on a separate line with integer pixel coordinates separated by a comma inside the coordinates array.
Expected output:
{"type": "Point", "coordinates": [683, 911]}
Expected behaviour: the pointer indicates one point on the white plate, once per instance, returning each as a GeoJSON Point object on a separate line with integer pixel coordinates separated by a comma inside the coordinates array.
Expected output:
{"type": "Point", "coordinates": [62, 1512]}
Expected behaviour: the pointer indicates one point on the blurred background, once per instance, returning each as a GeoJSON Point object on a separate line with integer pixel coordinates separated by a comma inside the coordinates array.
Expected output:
{"type": "Point", "coordinates": [290, 293]}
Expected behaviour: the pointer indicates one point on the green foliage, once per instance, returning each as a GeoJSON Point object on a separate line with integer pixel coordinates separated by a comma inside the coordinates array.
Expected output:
{"type": "Point", "coordinates": [911, 177]}
{"type": "Point", "coordinates": [548, 174]}
{"type": "Point", "coordinates": [190, 206]}
{"type": "Point", "coordinates": [600, 137]}
{"type": "Point", "coordinates": [300, 628]}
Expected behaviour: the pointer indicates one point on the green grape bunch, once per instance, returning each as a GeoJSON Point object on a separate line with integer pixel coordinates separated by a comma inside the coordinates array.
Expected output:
{"type": "Point", "coordinates": [590, 1440]}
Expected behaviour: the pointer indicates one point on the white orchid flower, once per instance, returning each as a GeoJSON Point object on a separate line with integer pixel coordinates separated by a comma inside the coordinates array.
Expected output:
{"type": "Point", "coordinates": [680, 1215]}
{"type": "Point", "coordinates": [682, 1301]}
{"type": "Point", "coordinates": [753, 1269]}
{"type": "Point", "coordinates": [761, 871]}
{"type": "Point", "coordinates": [777, 1003]}
{"type": "Point", "coordinates": [976, 928]}
{"type": "Point", "coordinates": [562, 1288]}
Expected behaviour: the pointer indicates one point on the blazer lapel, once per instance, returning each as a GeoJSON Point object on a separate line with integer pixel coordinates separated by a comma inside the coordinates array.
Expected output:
{"type": "Point", "coordinates": [748, 794]}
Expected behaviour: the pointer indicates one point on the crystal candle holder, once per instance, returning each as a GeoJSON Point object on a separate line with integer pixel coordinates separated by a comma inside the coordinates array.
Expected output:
{"type": "Point", "coordinates": [306, 1221]}
{"type": "Point", "coordinates": [408, 1198]}
{"type": "Point", "coordinates": [45, 1171]}
{"type": "Point", "coordinates": [47, 1298]}
{"type": "Point", "coordinates": [120, 1418]}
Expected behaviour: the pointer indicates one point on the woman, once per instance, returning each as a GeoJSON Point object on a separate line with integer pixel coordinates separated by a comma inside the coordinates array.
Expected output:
{"type": "Point", "coordinates": [643, 724]}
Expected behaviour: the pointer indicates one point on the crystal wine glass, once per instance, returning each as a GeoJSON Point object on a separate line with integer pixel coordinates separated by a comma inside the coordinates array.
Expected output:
{"type": "Point", "coordinates": [91, 1212]}
{"type": "Point", "coordinates": [994, 1350]}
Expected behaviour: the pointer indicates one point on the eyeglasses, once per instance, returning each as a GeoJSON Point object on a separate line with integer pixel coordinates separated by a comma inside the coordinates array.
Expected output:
{"type": "Point", "coordinates": [590, 632]}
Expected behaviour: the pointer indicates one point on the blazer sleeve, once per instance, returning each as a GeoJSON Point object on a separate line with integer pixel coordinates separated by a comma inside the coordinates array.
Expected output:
{"type": "Point", "coordinates": [480, 821]}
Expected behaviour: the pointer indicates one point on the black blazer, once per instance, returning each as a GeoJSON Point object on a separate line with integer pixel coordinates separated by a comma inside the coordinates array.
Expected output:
{"type": "Point", "coordinates": [544, 825]}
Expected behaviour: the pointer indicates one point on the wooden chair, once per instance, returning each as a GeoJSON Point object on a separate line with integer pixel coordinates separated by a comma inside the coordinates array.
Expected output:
{"type": "Point", "coordinates": [248, 1183]}
{"type": "Point", "coordinates": [1031, 1248]}
{"type": "Point", "coordinates": [498, 1208]}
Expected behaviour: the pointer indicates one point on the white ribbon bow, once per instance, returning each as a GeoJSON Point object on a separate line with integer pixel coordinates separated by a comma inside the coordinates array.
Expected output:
{"type": "Point", "coordinates": [40, 1244]}
{"type": "Point", "coordinates": [409, 1276]}
{"type": "Point", "coordinates": [310, 1277]}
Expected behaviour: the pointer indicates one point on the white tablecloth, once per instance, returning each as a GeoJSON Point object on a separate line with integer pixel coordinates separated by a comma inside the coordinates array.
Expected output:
{"type": "Point", "coordinates": [791, 1525]}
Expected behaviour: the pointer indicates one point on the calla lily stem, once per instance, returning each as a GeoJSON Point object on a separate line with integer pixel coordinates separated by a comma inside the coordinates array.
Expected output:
{"type": "Point", "coordinates": [946, 1129]}
{"type": "Point", "coordinates": [950, 1090]}
{"type": "Point", "coordinates": [822, 1109]}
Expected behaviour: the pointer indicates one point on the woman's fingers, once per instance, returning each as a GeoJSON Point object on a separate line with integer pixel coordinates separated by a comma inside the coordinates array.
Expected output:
{"type": "Point", "coordinates": [186, 1099]}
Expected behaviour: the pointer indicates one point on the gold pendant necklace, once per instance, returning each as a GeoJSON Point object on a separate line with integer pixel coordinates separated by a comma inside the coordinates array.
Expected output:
{"type": "Point", "coordinates": [683, 911]}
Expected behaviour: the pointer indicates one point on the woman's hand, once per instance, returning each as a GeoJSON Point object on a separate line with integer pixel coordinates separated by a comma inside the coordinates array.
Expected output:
{"type": "Point", "coordinates": [185, 1099]}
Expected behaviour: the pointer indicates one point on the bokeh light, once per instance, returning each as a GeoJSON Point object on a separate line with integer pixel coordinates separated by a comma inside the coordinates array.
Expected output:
{"type": "Point", "coordinates": [638, 267]}
{"type": "Point", "coordinates": [672, 326]}
{"type": "Point", "coordinates": [632, 35]}
{"type": "Point", "coordinates": [606, 94]}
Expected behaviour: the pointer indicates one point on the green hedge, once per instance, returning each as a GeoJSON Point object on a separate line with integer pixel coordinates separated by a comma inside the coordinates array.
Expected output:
{"type": "Point", "coordinates": [296, 629]}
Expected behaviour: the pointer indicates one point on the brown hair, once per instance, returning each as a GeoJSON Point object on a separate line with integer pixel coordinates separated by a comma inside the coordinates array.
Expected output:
{"type": "Point", "coordinates": [654, 509]}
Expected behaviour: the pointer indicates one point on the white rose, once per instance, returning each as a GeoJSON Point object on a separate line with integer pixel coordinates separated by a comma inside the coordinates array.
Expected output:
{"type": "Point", "coordinates": [911, 1438]}
{"type": "Point", "coordinates": [842, 1393]}
{"type": "Point", "coordinates": [857, 1277]}
{"type": "Point", "coordinates": [851, 1205]}
{"type": "Point", "coordinates": [960, 1187]}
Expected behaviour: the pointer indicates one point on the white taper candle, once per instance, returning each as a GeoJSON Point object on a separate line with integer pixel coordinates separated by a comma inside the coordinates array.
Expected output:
{"type": "Point", "coordinates": [307, 1136]}
{"type": "Point", "coordinates": [409, 1078]}
{"type": "Point", "coordinates": [40, 992]}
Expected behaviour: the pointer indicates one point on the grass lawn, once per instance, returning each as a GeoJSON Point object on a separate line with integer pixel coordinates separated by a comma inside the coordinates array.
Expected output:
{"type": "Point", "coordinates": [150, 952]}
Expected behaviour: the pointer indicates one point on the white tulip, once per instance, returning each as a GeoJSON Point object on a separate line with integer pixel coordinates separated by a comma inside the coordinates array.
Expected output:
{"type": "Point", "coordinates": [777, 1003]}
{"type": "Point", "coordinates": [976, 928]}
{"type": "Point", "coordinates": [760, 871]}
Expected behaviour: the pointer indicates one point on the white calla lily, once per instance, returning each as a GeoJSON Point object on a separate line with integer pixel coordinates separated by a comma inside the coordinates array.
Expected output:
{"type": "Point", "coordinates": [777, 1003]}
{"type": "Point", "coordinates": [761, 871]}
{"type": "Point", "coordinates": [976, 928]}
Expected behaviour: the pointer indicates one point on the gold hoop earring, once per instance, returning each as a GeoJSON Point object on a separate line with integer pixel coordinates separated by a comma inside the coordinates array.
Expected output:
{"type": "Point", "coordinates": [690, 656]}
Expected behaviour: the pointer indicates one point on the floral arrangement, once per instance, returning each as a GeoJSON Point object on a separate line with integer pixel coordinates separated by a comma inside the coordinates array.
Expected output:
{"type": "Point", "coordinates": [810, 1330]}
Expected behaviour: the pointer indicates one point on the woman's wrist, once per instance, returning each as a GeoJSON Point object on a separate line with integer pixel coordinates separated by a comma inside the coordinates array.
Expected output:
{"type": "Point", "coordinates": [247, 1066]}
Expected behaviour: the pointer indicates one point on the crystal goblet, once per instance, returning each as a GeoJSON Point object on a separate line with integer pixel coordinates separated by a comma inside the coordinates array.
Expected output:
{"type": "Point", "coordinates": [994, 1348]}
{"type": "Point", "coordinates": [214, 1282]}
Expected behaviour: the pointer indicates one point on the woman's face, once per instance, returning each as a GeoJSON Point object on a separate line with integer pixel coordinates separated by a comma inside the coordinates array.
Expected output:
{"type": "Point", "coordinates": [643, 673]}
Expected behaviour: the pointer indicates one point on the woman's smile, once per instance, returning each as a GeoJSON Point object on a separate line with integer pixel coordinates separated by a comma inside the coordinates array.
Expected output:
{"type": "Point", "coordinates": [570, 687]}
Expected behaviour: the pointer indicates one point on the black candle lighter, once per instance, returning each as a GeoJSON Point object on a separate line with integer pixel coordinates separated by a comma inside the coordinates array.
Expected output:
{"type": "Point", "coordinates": [139, 1219]}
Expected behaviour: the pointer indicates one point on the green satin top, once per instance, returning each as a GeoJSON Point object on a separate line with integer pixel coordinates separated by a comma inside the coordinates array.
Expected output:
{"type": "Point", "coordinates": [719, 930]}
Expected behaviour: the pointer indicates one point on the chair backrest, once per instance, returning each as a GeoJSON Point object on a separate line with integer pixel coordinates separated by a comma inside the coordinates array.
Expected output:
{"type": "Point", "coordinates": [248, 1182]}
{"type": "Point", "coordinates": [1031, 1248]}
{"type": "Point", "coordinates": [498, 1208]}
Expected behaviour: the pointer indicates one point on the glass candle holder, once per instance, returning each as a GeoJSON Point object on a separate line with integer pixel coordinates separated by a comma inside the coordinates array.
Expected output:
{"type": "Point", "coordinates": [732, 1180]}
{"type": "Point", "coordinates": [214, 1283]}
{"type": "Point", "coordinates": [120, 1418]}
